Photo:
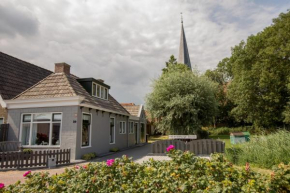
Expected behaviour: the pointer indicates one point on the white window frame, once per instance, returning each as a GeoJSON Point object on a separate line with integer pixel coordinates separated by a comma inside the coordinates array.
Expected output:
{"type": "Point", "coordinates": [100, 90]}
{"type": "Point", "coordinates": [50, 129]}
{"type": "Point", "coordinates": [2, 119]}
{"type": "Point", "coordinates": [131, 129]}
{"type": "Point", "coordinates": [122, 130]}
{"type": "Point", "coordinates": [114, 130]}
{"type": "Point", "coordinates": [90, 143]}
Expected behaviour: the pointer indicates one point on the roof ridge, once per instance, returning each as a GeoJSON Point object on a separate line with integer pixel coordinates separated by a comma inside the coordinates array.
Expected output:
{"type": "Point", "coordinates": [25, 61]}
{"type": "Point", "coordinates": [33, 86]}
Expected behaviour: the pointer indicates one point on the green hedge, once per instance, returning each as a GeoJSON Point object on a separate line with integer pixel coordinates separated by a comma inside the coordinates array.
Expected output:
{"type": "Point", "coordinates": [251, 129]}
{"type": "Point", "coordinates": [185, 173]}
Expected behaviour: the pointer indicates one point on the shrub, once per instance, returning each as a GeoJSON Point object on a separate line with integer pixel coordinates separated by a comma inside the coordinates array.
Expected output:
{"type": "Point", "coordinates": [114, 149]}
{"type": "Point", "coordinates": [184, 173]}
{"type": "Point", "coordinates": [27, 150]}
{"type": "Point", "coordinates": [89, 156]}
{"type": "Point", "coordinates": [263, 151]}
{"type": "Point", "coordinates": [251, 129]}
{"type": "Point", "coordinates": [202, 134]}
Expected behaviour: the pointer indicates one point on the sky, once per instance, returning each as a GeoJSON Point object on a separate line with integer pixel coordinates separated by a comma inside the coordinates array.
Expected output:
{"type": "Point", "coordinates": [127, 42]}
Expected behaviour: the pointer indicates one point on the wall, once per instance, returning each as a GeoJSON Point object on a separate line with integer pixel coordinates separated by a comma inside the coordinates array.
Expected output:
{"type": "Point", "coordinates": [68, 128]}
{"type": "Point", "coordinates": [3, 114]}
{"type": "Point", "coordinates": [100, 132]}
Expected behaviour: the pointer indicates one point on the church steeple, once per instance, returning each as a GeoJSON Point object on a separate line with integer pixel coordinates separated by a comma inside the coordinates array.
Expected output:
{"type": "Point", "coordinates": [183, 50]}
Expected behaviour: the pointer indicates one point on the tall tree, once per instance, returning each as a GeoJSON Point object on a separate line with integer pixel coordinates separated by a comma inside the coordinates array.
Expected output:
{"type": "Point", "coordinates": [182, 101]}
{"type": "Point", "coordinates": [260, 72]}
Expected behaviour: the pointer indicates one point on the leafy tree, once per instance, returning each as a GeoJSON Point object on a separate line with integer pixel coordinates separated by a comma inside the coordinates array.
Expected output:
{"type": "Point", "coordinates": [260, 73]}
{"type": "Point", "coordinates": [182, 101]}
{"type": "Point", "coordinates": [172, 63]}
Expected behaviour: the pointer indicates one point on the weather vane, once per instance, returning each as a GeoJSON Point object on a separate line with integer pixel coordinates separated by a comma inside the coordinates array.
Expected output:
{"type": "Point", "coordinates": [181, 17]}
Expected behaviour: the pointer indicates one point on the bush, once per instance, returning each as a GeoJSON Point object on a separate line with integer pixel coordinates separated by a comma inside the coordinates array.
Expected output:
{"type": "Point", "coordinates": [89, 156]}
{"type": "Point", "coordinates": [251, 129]}
{"type": "Point", "coordinates": [185, 173]}
{"type": "Point", "coordinates": [202, 134]}
{"type": "Point", "coordinates": [114, 150]}
{"type": "Point", "coordinates": [27, 150]}
{"type": "Point", "coordinates": [263, 151]}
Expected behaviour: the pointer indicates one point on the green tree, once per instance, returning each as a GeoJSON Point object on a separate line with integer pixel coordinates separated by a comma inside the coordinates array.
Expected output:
{"type": "Point", "coordinates": [260, 72]}
{"type": "Point", "coordinates": [182, 101]}
{"type": "Point", "coordinates": [172, 63]}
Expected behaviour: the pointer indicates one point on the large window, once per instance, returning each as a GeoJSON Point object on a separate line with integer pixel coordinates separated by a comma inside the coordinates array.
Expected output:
{"type": "Point", "coordinates": [99, 91]}
{"type": "Point", "coordinates": [1, 120]}
{"type": "Point", "coordinates": [112, 130]}
{"type": "Point", "coordinates": [41, 129]}
{"type": "Point", "coordinates": [86, 130]}
{"type": "Point", "coordinates": [131, 127]}
{"type": "Point", "coordinates": [122, 128]}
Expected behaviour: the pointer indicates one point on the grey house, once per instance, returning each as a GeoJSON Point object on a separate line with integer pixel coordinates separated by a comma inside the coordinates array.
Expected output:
{"type": "Point", "coordinates": [64, 111]}
{"type": "Point", "coordinates": [137, 123]}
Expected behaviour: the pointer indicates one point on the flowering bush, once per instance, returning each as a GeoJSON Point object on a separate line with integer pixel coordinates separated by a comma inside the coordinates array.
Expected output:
{"type": "Point", "coordinates": [184, 173]}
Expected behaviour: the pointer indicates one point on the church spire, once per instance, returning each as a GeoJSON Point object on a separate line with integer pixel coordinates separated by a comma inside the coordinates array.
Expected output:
{"type": "Point", "coordinates": [183, 50]}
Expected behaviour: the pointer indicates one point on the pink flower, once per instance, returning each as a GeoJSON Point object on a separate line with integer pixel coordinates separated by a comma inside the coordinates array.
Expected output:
{"type": "Point", "coordinates": [85, 166]}
{"type": "Point", "coordinates": [2, 185]}
{"type": "Point", "coordinates": [247, 167]}
{"type": "Point", "coordinates": [26, 173]}
{"type": "Point", "coordinates": [110, 162]}
{"type": "Point", "coordinates": [77, 167]}
{"type": "Point", "coordinates": [170, 147]}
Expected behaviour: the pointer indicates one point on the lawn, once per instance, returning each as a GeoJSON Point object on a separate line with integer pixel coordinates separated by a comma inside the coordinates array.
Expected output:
{"type": "Point", "coordinates": [225, 138]}
{"type": "Point", "coordinates": [157, 138]}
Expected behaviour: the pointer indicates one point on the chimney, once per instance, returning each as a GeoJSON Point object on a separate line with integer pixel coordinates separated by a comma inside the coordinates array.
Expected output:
{"type": "Point", "coordinates": [62, 68]}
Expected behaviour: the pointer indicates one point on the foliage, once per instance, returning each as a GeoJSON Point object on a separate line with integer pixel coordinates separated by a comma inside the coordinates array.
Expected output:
{"type": "Point", "coordinates": [202, 134]}
{"type": "Point", "coordinates": [259, 74]}
{"type": "Point", "coordinates": [228, 130]}
{"type": "Point", "coordinates": [172, 64]}
{"type": "Point", "coordinates": [182, 101]}
{"type": "Point", "coordinates": [114, 149]}
{"type": "Point", "coordinates": [185, 173]}
{"type": "Point", "coordinates": [27, 150]}
{"type": "Point", "coordinates": [89, 156]}
{"type": "Point", "coordinates": [263, 151]}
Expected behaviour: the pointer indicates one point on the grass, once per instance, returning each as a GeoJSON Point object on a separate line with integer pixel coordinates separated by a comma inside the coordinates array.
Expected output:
{"type": "Point", "coordinates": [224, 138]}
{"type": "Point", "coordinates": [157, 138]}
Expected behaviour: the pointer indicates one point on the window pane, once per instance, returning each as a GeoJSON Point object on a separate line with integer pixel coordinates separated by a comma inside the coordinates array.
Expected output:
{"type": "Point", "coordinates": [55, 134]}
{"type": "Point", "coordinates": [86, 130]}
{"type": "Point", "coordinates": [120, 127]}
{"type": "Point", "coordinates": [112, 130]}
{"type": "Point", "coordinates": [56, 117]}
{"type": "Point", "coordinates": [124, 127]}
{"type": "Point", "coordinates": [25, 134]}
{"type": "Point", "coordinates": [42, 117]}
{"type": "Point", "coordinates": [98, 91]}
{"type": "Point", "coordinates": [106, 93]}
{"type": "Point", "coordinates": [94, 90]}
{"type": "Point", "coordinates": [1, 121]}
{"type": "Point", "coordinates": [40, 134]}
{"type": "Point", "coordinates": [102, 92]}
{"type": "Point", "coordinates": [26, 118]}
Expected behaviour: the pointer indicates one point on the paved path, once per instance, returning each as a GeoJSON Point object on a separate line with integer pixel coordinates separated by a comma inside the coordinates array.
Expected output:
{"type": "Point", "coordinates": [137, 153]}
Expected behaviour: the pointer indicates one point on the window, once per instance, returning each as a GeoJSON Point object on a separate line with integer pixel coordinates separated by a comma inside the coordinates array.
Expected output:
{"type": "Point", "coordinates": [86, 130]}
{"type": "Point", "coordinates": [41, 129]}
{"type": "Point", "coordinates": [112, 130]}
{"type": "Point", "coordinates": [99, 91]}
{"type": "Point", "coordinates": [131, 127]}
{"type": "Point", "coordinates": [1, 120]}
{"type": "Point", "coordinates": [122, 128]}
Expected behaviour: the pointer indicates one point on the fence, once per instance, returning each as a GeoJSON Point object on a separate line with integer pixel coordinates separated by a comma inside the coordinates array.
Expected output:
{"type": "Point", "coordinates": [18, 160]}
{"type": "Point", "coordinates": [4, 132]}
{"type": "Point", "coordinates": [10, 146]}
{"type": "Point", "coordinates": [198, 147]}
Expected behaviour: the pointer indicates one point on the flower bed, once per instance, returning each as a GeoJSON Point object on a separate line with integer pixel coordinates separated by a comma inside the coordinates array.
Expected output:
{"type": "Point", "coordinates": [185, 173]}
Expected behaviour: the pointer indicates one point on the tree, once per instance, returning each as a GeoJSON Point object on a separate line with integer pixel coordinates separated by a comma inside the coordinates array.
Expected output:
{"type": "Point", "coordinates": [260, 73]}
{"type": "Point", "coordinates": [172, 63]}
{"type": "Point", "coordinates": [182, 101]}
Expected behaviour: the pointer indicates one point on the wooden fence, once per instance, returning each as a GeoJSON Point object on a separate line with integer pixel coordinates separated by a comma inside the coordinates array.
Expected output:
{"type": "Point", "coordinates": [4, 132]}
{"type": "Point", "coordinates": [7, 146]}
{"type": "Point", "coordinates": [198, 147]}
{"type": "Point", "coordinates": [18, 160]}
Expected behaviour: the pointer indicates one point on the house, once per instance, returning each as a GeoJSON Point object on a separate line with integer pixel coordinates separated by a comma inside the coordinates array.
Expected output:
{"type": "Point", "coordinates": [137, 122]}
{"type": "Point", "coordinates": [150, 126]}
{"type": "Point", "coordinates": [63, 111]}
{"type": "Point", "coordinates": [15, 77]}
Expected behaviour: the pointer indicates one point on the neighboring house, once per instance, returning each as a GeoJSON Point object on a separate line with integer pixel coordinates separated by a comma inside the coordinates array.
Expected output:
{"type": "Point", "coordinates": [150, 126]}
{"type": "Point", "coordinates": [137, 122]}
{"type": "Point", "coordinates": [64, 111]}
{"type": "Point", "coordinates": [15, 77]}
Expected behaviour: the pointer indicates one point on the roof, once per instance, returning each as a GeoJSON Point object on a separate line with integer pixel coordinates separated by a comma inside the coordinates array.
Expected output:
{"type": "Point", "coordinates": [183, 57]}
{"type": "Point", "coordinates": [132, 108]}
{"type": "Point", "coordinates": [17, 75]}
{"type": "Point", "coordinates": [64, 85]}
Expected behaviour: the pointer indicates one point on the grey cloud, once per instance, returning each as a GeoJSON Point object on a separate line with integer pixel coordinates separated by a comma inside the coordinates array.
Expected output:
{"type": "Point", "coordinates": [17, 20]}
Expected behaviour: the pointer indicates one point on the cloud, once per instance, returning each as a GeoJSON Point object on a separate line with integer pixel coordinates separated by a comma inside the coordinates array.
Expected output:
{"type": "Point", "coordinates": [126, 43]}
